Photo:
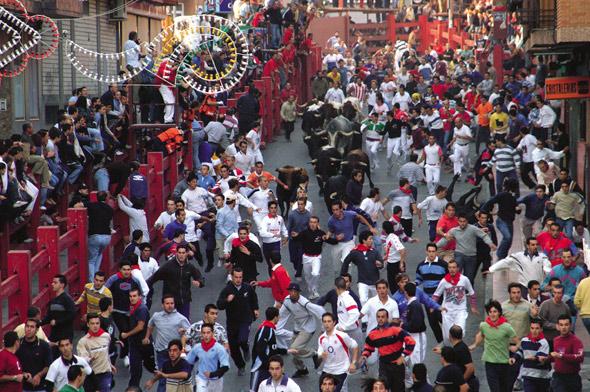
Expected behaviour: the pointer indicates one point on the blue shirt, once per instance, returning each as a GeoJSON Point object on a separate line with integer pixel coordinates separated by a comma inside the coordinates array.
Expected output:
{"type": "Point", "coordinates": [343, 226]}
{"type": "Point", "coordinates": [172, 227]}
{"type": "Point", "coordinates": [402, 302]}
{"type": "Point", "coordinates": [535, 207]}
{"type": "Point", "coordinates": [206, 182]}
{"type": "Point", "coordinates": [208, 361]}
{"type": "Point", "coordinates": [227, 222]}
{"type": "Point", "coordinates": [138, 185]}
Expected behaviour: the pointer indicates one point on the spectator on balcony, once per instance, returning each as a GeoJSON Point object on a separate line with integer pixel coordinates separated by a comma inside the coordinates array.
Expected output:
{"type": "Point", "coordinates": [274, 16]}
{"type": "Point", "coordinates": [108, 97]}
{"type": "Point", "coordinates": [100, 218]}
{"type": "Point", "coordinates": [132, 50]}
{"type": "Point", "coordinates": [166, 82]}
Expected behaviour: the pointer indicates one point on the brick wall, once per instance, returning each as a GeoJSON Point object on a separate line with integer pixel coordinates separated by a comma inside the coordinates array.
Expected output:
{"type": "Point", "coordinates": [573, 20]}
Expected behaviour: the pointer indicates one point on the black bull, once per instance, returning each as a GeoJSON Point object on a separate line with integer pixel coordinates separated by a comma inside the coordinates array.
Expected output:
{"type": "Point", "coordinates": [294, 178]}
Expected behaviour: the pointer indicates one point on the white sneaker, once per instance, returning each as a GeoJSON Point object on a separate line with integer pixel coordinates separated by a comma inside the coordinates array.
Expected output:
{"type": "Point", "coordinates": [126, 361]}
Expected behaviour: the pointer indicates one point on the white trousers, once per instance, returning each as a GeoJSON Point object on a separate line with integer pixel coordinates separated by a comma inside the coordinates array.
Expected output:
{"type": "Point", "coordinates": [169, 101]}
{"type": "Point", "coordinates": [419, 352]}
{"type": "Point", "coordinates": [457, 317]}
{"type": "Point", "coordinates": [372, 149]}
{"type": "Point", "coordinates": [209, 385]}
{"type": "Point", "coordinates": [432, 177]}
{"type": "Point", "coordinates": [393, 147]}
{"type": "Point", "coordinates": [459, 157]}
{"type": "Point", "coordinates": [341, 250]}
{"type": "Point", "coordinates": [366, 292]}
{"type": "Point", "coordinates": [311, 272]}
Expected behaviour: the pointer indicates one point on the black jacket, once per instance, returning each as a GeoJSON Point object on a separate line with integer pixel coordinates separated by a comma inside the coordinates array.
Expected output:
{"type": "Point", "coordinates": [241, 309]}
{"type": "Point", "coordinates": [177, 280]}
{"type": "Point", "coordinates": [368, 273]}
{"type": "Point", "coordinates": [265, 346]}
{"type": "Point", "coordinates": [63, 310]}
{"type": "Point", "coordinates": [415, 318]}
{"type": "Point", "coordinates": [247, 262]}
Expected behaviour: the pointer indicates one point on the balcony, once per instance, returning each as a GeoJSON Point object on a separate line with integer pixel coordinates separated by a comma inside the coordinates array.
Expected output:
{"type": "Point", "coordinates": [56, 8]}
{"type": "Point", "coordinates": [539, 19]}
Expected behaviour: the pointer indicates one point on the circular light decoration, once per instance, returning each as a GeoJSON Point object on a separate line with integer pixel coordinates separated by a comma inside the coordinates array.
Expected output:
{"type": "Point", "coordinates": [49, 36]}
{"type": "Point", "coordinates": [210, 53]}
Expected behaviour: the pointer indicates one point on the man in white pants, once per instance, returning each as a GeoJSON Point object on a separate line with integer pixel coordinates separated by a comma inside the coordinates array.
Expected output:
{"type": "Point", "coordinates": [454, 289]}
{"type": "Point", "coordinates": [260, 198]}
{"type": "Point", "coordinates": [432, 156]}
{"type": "Point", "coordinates": [373, 137]}
{"type": "Point", "coordinates": [312, 240]}
{"type": "Point", "coordinates": [460, 145]}
{"type": "Point", "coordinates": [166, 78]}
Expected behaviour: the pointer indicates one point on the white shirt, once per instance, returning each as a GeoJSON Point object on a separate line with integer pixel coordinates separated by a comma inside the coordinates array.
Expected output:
{"type": "Point", "coordinates": [254, 137]}
{"type": "Point", "coordinates": [527, 145]}
{"type": "Point", "coordinates": [195, 199]}
{"type": "Point", "coordinates": [165, 218]}
{"type": "Point", "coordinates": [334, 95]}
{"type": "Point", "coordinates": [547, 116]}
{"type": "Point", "coordinates": [191, 232]}
{"type": "Point", "coordinates": [260, 199]}
{"type": "Point", "coordinates": [137, 217]}
{"type": "Point", "coordinates": [434, 207]}
{"type": "Point", "coordinates": [58, 371]}
{"type": "Point", "coordinates": [138, 275]}
{"type": "Point", "coordinates": [304, 313]}
{"type": "Point", "coordinates": [372, 207]}
{"type": "Point", "coordinates": [286, 384]}
{"type": "Point", "coordinates": [455, 297]}
{"type": "Point", "coordinates": [388, 90]}
{"type": "Point", "coordinates": [348, 312]}
{"type": "Point", "coordinates": [132, 53]}
{"type": "Point", "coordinates": [393, 246]}
{"type": "Point", "coordinates": [148, 268]}
{"type": "Point", "coordinates": [432, 121]}
{"type": "Point", "coordinates": [338, 346]}
{"type": "Point", "coordinates": [308, 206]}
{"type": "Point", "coordinates": [403, 100]}
{"type": "Point", "coordinates": [272, 229]}
{"type": "Point", "coordinates": [528, 268]}
{"type": "Point", "coordinates": [241, 199]}
{"type": "Point", "coordinates": [432, 154]}
{"type": "Point", "coordinates": [464, 131]}
{"type": "Point", "coordinates": [244, 162]}
{"type": "Point", "coordinates": [373, 305]}
{"type": "Point", "coordinates": [545, 154]}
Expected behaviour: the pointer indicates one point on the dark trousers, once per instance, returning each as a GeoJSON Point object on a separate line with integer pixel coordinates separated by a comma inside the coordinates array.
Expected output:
{"type": "Point", "coordinates": [501, 176]}
{"type": "Point", "coordinates": [102, 382]}
{"type": "Point", "coordinates": [135, 365]}
{"type": "Point", "coordinates": [527, 173]}
{"type": "Point", "coordinates": [161, 357]}
{"type": "Point", "coordinates": [435, 321]}
{"type": "Point", "coordinates": [489, 176]}
{"type": "Point", "coordinates": [340, 378]}
{"type": "Point", "coordinates": [439, 135]}
{"type": "Point", "coordinates": [533, 384]}
{"type": "Point", "coordinates": [237, 337]}
{"type": "Point", "coordinates": [566, 383]}
{"type": "Point", "coordinates": [407, 224]}
{"type": "Point", "coordinates": [541, 133]}
{"type": "Point", "coordinates": [184, 309]}
{"type": "Point", "coordinates": [497, 376]}
{"type": "Point", "coordinates": [432, 230]}
{"type": "Point", "coordinates": [289, 126]}
{"type": "Point", "coordinates": [468, 264]}
{"type": "Point", "coordinates": [392, 271]}
{"type": "Point", "coordinates": [393, 375]}
{"type": "Point", "coordinates": [257, 377]}
{"type": "Point", "coordinates": [483, 135]}
{"type": "Point", "coordinates": [296, 256]}
{"type": "Point", "coordinates": [209, 237]}
{"type": "Point", "coordinates": [122, 322]}
{"type": "Point", "coordinates": [268, 250]}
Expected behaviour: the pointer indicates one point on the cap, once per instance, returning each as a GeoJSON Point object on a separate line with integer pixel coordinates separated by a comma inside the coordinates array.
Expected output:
{"type": "Point", "coordinates": [230, 198]}
{"type": "Point", "coordinates": [294, 286]}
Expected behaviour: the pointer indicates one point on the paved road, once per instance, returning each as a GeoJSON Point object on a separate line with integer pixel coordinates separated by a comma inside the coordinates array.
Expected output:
{"type": "Point", "coordinates": [281, 153]}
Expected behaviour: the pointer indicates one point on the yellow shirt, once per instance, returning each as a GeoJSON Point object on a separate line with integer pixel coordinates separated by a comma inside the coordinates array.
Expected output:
{"type": "Point", "coordinates": [582, 298]}
{"type": "Point", "coordinates": [499, 122]}
{"type": "Point", "coordinates": [20, 331]}
{"type": "Point", "coordinates": [93, 297]}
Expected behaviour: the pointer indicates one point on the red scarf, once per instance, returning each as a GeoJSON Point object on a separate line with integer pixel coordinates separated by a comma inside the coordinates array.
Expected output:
{"type": "Point", "coordinates": [133, 308]}
{"type": "Point", "coordinates": [135, 267]}
{"type": "Point", "coordinates": [535, 340]}
{"type": "Point", "coordinates": [207, 346]}
{"type": "Point", "coordinates": [496, 324]}
{"type": "Point", "coordinates": [453, 279]}
{"type": "Point", "coordinates": [406, 191]}
{"type": "Point", "coordinates": [267, 323]}
{"type": "Point", "coordinates": [362, 248]}
{"type": "Point", "coordinates": [236, 242]}
{"type": "Point", "coordinates": [395, 218]}
{"type": "Point", "coordinates": [97, 334]}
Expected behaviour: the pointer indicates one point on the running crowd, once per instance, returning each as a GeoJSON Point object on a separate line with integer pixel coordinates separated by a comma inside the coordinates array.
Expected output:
{"type": "Point", "coordinates": [427, 110]}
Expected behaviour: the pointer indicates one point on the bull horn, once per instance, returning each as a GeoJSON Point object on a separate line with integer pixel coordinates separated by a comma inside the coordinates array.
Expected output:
{"type": "Point", "coordinates": [321, 133]}
{"type": "Point", "coordinates": [347, 133]}
{"type": "Point", "coordinates": [344, 162]}
{"type": "Point", "coordinates": [313, 161]}
{"type": "Point", "coordinates": [333, 195]}
{"type": "Point", "coordinates": [307, 138]}
{"type": "Point", "coordinates": [363, 164]}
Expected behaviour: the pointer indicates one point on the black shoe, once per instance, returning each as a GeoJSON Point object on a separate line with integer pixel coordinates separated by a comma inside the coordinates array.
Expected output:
{"type": "Point", "coordinates": [317, 361]}
{"type": "Point", "coordinates": [241, 371]}
{"type": "Point", "coordinates": [300, 373]}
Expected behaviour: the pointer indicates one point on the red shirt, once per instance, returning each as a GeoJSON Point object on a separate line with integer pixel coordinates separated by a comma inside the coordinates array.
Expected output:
{"type": "Point", "coordinates": [445, 223]}
{"type": "Point", "coordinates": [447, 116]}
{"type": "Point", "coordinates": [10, 366]}
{"type": "Point", "coordinates": [465, 116]}
{"type": "Point", "coordinates": [270, 67]}
{"type": "Point", "coordinates": [471, 102]}
{"type": "Point", "coordinates": [439, 90]}
{"type": "Point", "coordinates": [278, 283]}
{"type": "Point", "coordinates": [287, 35]}
{"type": "Point", "coordinates": [553, 247]}
{"type": "Point", "coordinates": [572, 351]}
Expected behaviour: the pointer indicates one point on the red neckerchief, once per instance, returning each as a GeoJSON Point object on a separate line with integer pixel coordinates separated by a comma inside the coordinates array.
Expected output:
{"type": "Point", "coordinates": [120, 275]}
{"type": "Point", "coordinates": [496, 324]}
{"type": "Point", "coordinates": [396, 218]}
{"type": "Point", "coordinates": [453, 279]}
{"type": "Point", "coordinates": [406, 191]}
{"type": "Point", "coordinates": [97, 334]}
{"type": "Point", "coordinates": [236, 242]}
{"type": "Point", "coordinates": [207, 346]}
{"type": "Point", "coordinates": [536, 339]}
{"type": "Point", "coordinates": [135, 267]}
{"type": "Point", "coordinates": [362, 248]}
{"type": "Point", "coordinates": [133, 308]}
{"type": "Point", "coordinates": [267, 323]}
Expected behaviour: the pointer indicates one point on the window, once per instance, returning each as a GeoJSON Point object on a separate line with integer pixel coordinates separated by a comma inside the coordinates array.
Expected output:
{"type": "Point", "coordinates": [18, 96]}
{"type": "Point", "coordinates": [25, 93]}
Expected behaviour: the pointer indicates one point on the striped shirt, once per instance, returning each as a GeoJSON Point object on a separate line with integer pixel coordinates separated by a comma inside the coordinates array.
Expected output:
{"type": "Point", "coordinates": [93, 297]}
{"type": "Point", "coordinates": [390, 341]}
{"type": "Point", "coordinates": [359, 91]}
{"type": "Point", "coordinates": [412, 171]}
{"type": "Point", "coordinates": [506, 159]}
{"type": "Point", "coordinates": [534, 368]}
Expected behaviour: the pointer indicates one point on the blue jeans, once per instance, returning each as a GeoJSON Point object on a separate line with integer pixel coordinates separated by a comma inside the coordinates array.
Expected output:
{"type": "Point", "coordinates": [103, 382]}
{"type": "Point", "coordinates": [432, 229]}
{"type": "Point", "coordinates": [96, 245]}
{"type": "Point", "coordinates": [101, 177]}
{"type": "Point", "coordinates": [567, 226]}
{"type": "Point", "coordinates": [566, 383]}
{"type": "Point", "coordinates": [161, 357]}
{"type": "Point", "coordinates": [500, 176]}
{"type": "Point", "coordinates": [74, 172]}
{"type": "Point", "coordinates": [507, 231]}
{"type": "Point", "coordinates": [97, 142]}
{"type": "Point", "coordinates": [468, 264]}
{"type": "Point", "coordinates": [276, 36]}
